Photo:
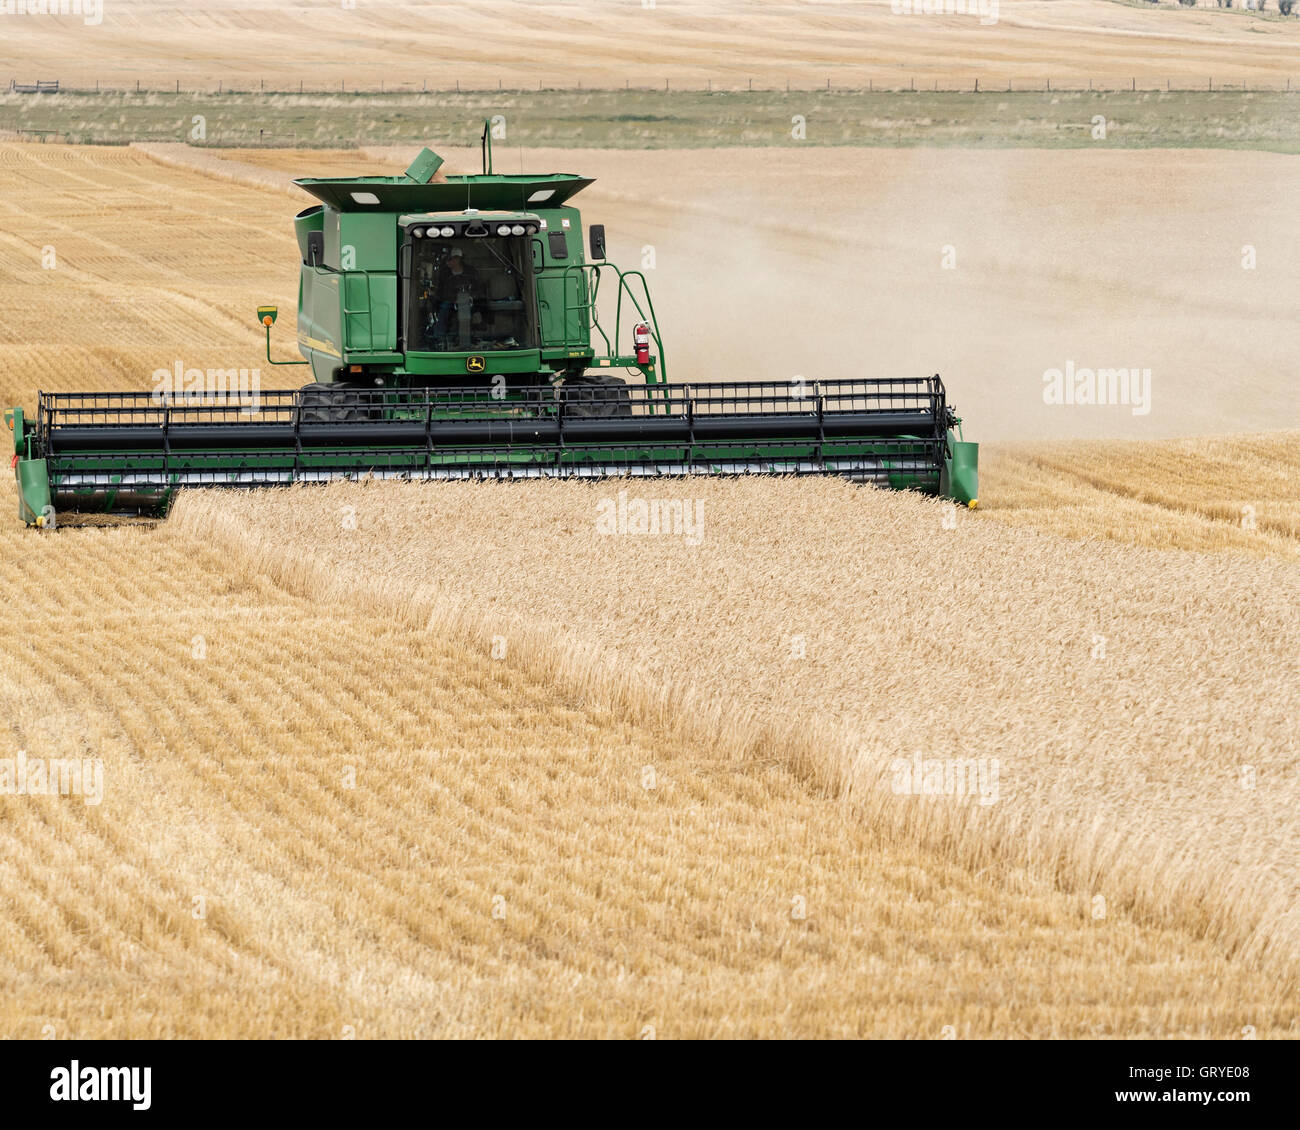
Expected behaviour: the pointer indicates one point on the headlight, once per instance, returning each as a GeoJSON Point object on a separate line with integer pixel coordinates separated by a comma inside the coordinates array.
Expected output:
{"type": "Point", "coordinates": [518, 229]}
{"type": "Point", "coordinates": [532, 229]}
{"type": "Point", "coordinates": [416, 233]}
{"type": "Point", "coordinates": [504, 229]}
{"type": "Point", "coordinates": [447, 233]}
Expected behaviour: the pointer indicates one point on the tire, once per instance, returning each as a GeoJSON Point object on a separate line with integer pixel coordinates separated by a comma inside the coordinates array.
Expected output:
{"type": "Point", "coordinates": [595, 396]}
{"type": "Point", "coordinates": [327, 404]}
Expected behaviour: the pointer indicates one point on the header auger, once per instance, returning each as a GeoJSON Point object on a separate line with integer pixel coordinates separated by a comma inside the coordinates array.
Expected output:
{"type": "Point", "coordinates": [452, 330]}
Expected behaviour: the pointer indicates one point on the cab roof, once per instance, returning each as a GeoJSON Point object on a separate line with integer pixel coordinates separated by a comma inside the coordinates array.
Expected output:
{"type": "Point", "coordinates": [493, 191]}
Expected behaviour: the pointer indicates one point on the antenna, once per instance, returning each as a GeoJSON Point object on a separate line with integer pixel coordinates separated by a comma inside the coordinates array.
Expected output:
{"type": "Point", "coordinates": [487, 146]}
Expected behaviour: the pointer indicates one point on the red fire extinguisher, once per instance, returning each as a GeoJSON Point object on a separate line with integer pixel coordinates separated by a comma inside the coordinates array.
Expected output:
{"type": "Point", "coordinates": [641, 338]}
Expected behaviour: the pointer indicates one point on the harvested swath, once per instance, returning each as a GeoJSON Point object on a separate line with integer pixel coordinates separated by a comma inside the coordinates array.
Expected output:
{"type": "Point", "coordinates": [153, 265]}
{"type": "Point", "coordinates": [223, 165]}
{"type": "Point", "coordinates": [1210, 493]}
{"type": "Point", "coordinates": [1131, 697]}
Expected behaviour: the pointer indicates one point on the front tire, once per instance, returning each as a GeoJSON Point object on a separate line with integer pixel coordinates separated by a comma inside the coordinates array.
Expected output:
{"type": "Point", "coordinates": [597, 396]}
{"type": "Point", "coordinates": [328, 404]}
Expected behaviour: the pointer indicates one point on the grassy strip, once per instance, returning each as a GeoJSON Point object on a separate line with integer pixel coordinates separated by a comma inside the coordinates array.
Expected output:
{"type": "Point", "coordinates": [643, 119]}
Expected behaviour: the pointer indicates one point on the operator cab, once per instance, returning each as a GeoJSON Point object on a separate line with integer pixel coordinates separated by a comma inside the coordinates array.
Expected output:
{"type": "Point", "coordinates": [468, 282]}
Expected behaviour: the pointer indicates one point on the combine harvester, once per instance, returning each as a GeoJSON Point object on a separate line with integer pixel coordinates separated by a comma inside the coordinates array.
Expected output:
{"type": "Point", "coordinates": [452, 330]}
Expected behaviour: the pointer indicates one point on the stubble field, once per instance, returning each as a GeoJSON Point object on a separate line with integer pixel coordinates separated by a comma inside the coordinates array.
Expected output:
{"type": "Point", "coordinates": [594, 43]}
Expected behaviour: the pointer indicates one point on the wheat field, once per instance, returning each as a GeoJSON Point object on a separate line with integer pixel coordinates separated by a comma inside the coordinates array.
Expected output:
{"type": "Point", "coordinates": [669, 807]}
{"type": "Point", "coordinates": [319, 820]}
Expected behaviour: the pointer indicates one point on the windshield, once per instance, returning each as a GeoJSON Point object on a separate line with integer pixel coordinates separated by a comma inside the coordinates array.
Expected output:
{"type": "Point", "coordinates": [471, 295]}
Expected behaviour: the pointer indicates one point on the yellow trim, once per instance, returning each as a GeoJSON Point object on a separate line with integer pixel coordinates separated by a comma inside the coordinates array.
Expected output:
{"type": "Point", "coordinates": [320, 346]}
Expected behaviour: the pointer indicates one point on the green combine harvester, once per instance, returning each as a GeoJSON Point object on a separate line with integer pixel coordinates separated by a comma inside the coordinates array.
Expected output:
{"type": "Point", "coordinates": [452, 330]}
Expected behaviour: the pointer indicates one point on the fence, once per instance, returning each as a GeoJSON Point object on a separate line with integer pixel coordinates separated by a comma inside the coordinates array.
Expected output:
{"type": "Point", "coordinates": [974, 84]}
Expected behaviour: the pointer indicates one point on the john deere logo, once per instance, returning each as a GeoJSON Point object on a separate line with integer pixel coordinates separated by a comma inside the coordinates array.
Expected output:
{"type": "Point", "coordinates": [475, 364]}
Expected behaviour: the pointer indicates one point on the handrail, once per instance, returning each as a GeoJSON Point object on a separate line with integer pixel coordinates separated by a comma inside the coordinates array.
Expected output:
{"type": "Point", "coordinates": [625, 286]}
{"type": "Point", "coordinates": [652, 319]}
{"type": "Point", "coordinates": [345, 331]}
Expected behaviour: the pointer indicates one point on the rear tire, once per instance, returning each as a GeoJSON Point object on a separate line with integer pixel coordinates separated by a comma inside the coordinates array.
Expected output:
{"type": "Point", "coordinates": [596, 396]}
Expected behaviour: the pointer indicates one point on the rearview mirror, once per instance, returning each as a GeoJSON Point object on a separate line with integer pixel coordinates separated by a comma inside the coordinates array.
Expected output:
{"type": "Point", "coordinates": [598, 241]}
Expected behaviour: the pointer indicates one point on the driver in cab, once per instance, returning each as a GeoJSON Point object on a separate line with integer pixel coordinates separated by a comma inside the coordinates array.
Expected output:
{"type": "Point", "coordinates": [456, 276]}
{"type": "Point", "coordinates": [455, 279]}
